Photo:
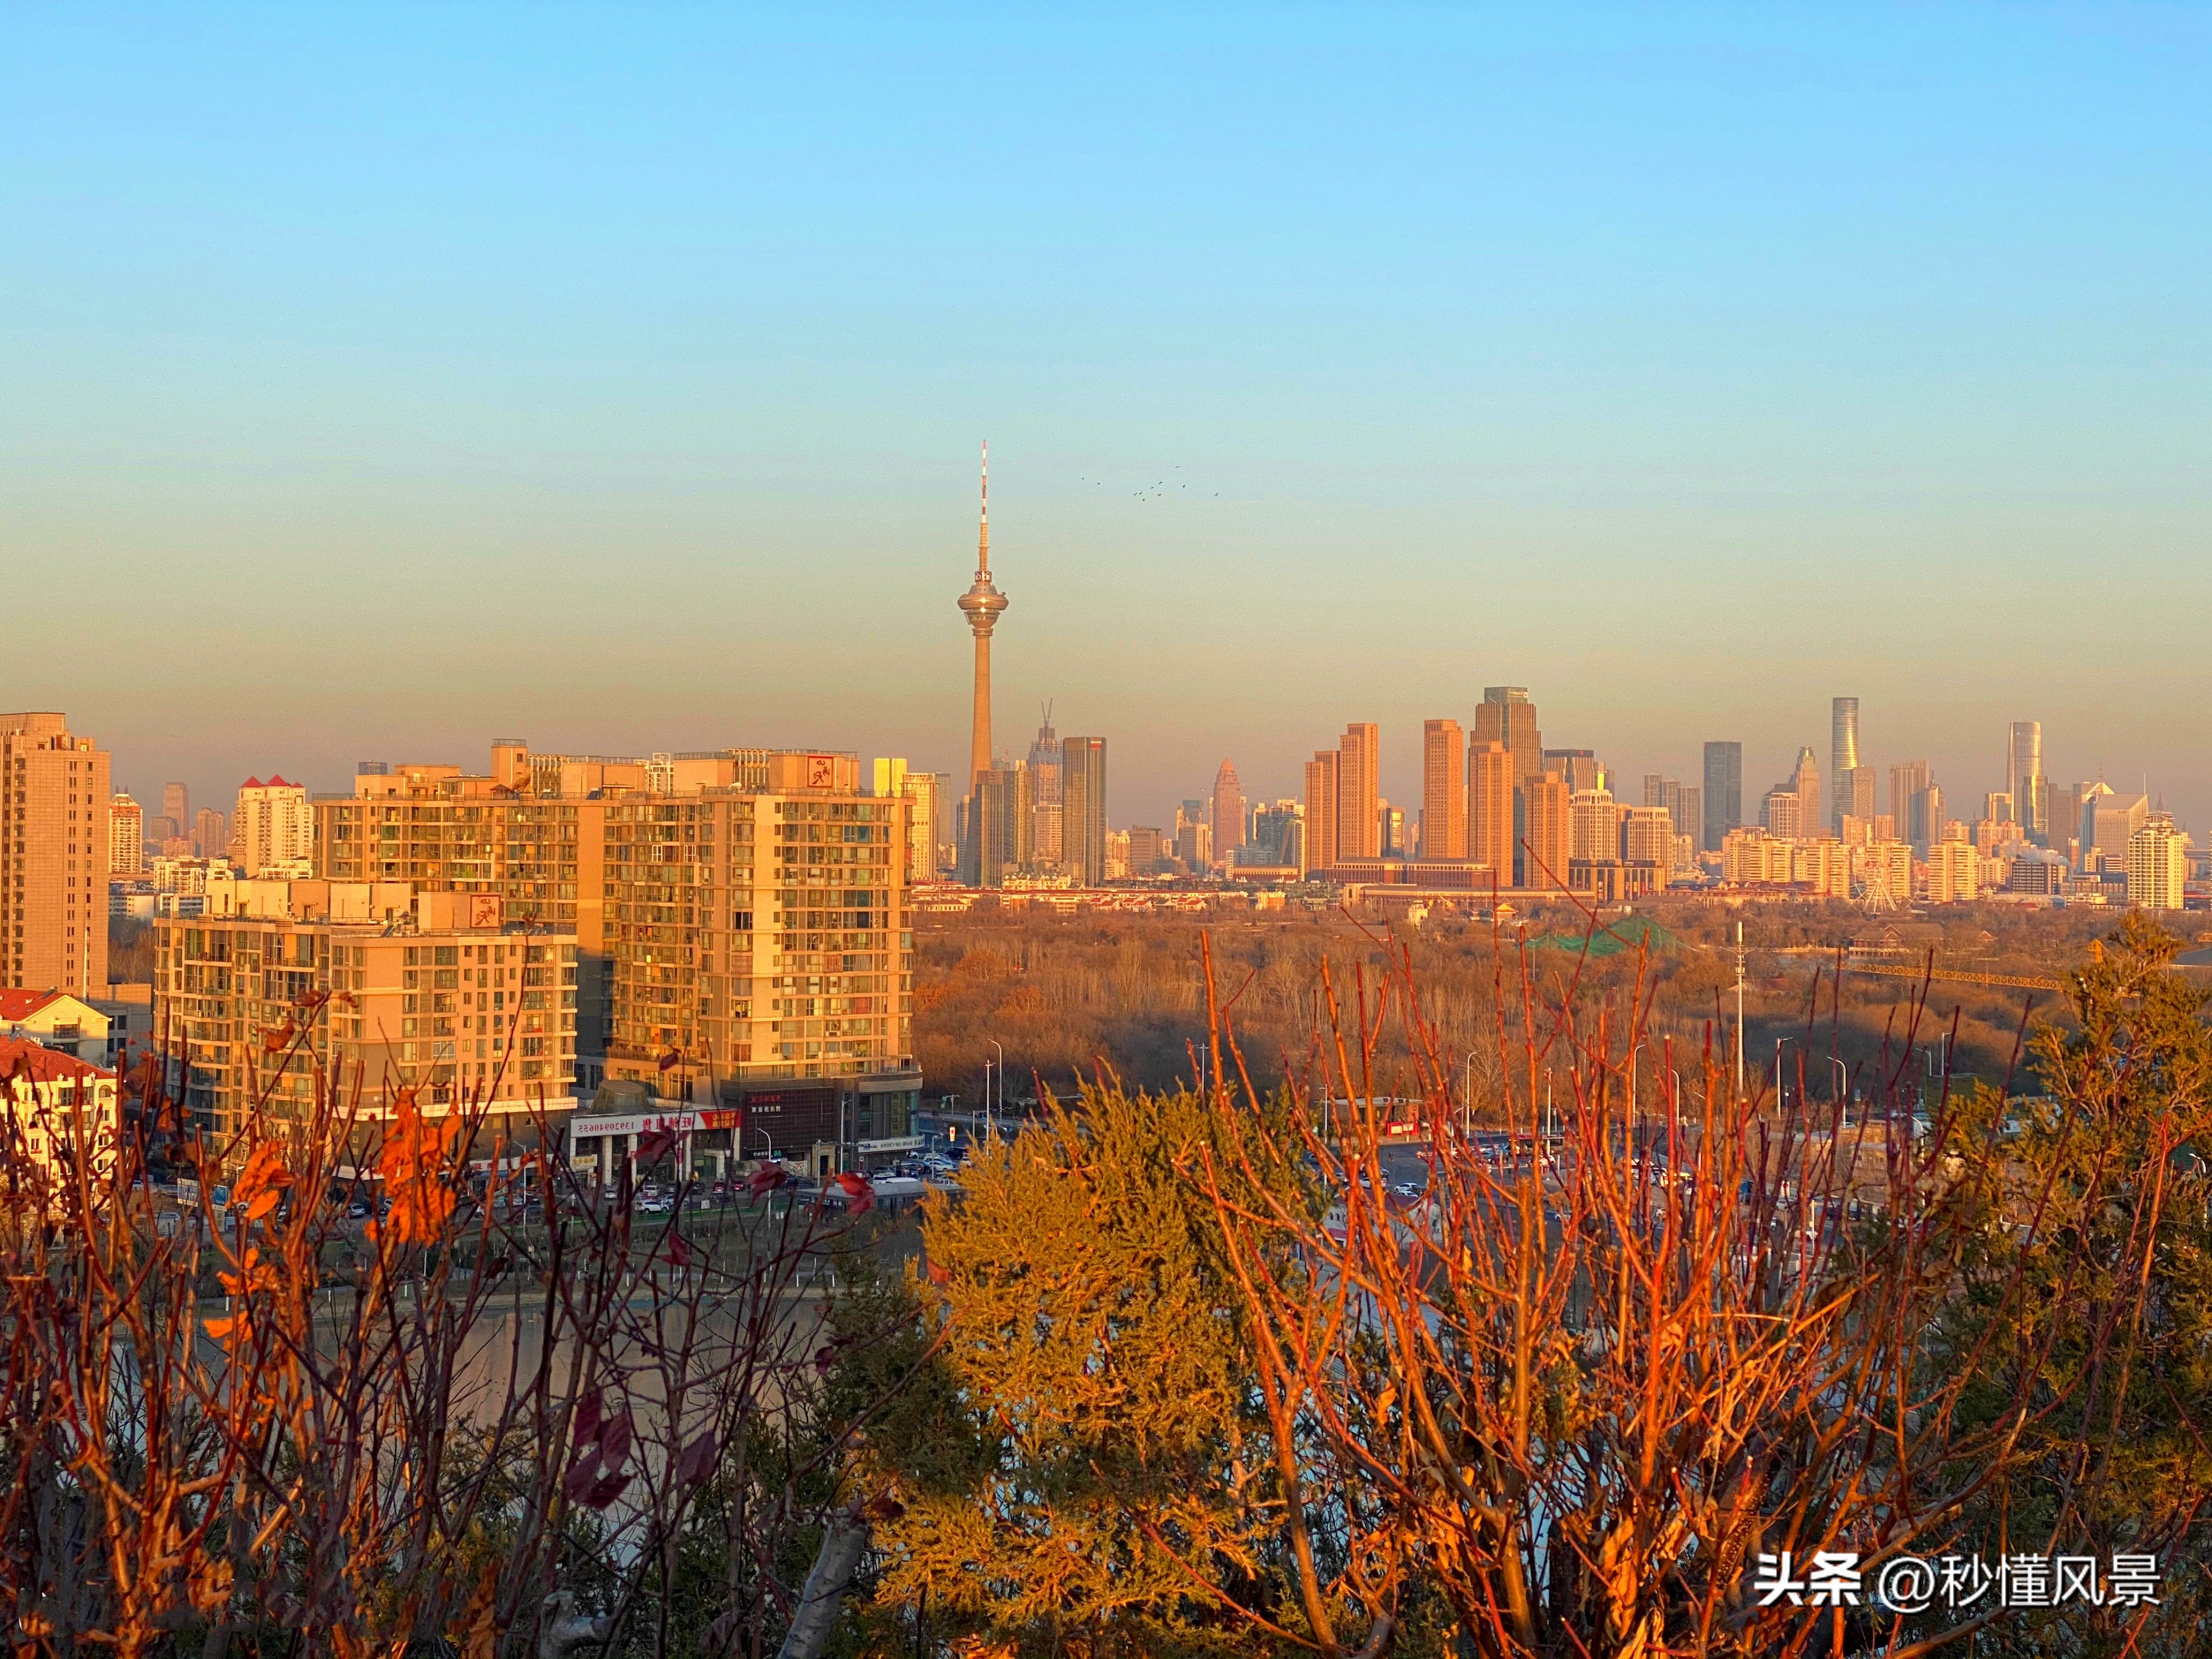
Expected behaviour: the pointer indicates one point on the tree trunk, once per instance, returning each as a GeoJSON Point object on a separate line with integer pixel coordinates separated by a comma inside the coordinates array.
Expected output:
{"type": "Point", "coordinates": [843, 1542]}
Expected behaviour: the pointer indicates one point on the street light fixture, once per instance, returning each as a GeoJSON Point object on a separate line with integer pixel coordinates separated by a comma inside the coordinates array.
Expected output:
{"type": "Point", "coordinates": [1002, 1084]}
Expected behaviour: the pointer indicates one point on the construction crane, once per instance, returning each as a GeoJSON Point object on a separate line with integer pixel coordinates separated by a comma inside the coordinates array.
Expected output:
{"type": "Point", "coordinates": [1961, 975]}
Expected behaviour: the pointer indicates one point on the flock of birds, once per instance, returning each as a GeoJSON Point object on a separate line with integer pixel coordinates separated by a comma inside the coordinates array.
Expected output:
{"type": "Point", "coordinates": [1157, 490]}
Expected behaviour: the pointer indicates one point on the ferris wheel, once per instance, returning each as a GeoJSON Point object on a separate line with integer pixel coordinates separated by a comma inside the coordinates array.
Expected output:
{"type": "Point", "coordinates": [1874, 884]}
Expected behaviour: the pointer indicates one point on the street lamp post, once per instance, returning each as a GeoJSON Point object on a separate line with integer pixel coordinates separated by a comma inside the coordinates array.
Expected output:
{"type": "Point", "coordinates": [1002, 1085]}
{"type": "Point", "coordinates": [1738, 1010]}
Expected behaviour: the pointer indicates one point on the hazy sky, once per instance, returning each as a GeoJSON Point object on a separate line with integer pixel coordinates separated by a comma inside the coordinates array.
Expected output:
{"type": "Point", "coordinates": [376, 380]}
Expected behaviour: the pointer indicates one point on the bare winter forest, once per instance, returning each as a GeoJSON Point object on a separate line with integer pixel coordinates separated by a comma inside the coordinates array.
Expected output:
{"type": "Point", "coordinates": [1066, 994]}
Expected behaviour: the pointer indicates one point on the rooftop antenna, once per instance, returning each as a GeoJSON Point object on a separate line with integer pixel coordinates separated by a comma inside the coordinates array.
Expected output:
{"type": "Point", "coordinates": [983, 524]}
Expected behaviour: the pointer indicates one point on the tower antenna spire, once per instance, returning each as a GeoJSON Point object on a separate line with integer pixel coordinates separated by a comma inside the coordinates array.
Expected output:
{"type": "Point", "coordinates": [984, 523]}
{"type": "Point", "coordinates": [982, 604]}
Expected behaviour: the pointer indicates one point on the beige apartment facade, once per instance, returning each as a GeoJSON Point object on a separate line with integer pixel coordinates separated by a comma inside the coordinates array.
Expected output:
{"type": "Point", "coordinates": [742, 915]}
{"type": "Point", "coordinates": [53, 1105]}
{"type": "Point", "coordinates": [274, 828]}
{"type": "Point", "coordinates": [126, 837]}
{"type": "Point", "coordinates": [370, 985]}
{"type": "Point", "coordinates": [54, 837]}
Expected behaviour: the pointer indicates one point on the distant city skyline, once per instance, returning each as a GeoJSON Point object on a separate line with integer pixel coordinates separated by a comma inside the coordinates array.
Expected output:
{"type": "Point", "coordinates": [372, 391]}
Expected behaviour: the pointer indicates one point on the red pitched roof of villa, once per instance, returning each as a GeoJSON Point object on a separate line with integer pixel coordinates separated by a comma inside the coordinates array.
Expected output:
{"type": "Point", "coordinates": [20, 1057]}
{"type": "Point", "coordinates": [21, 1004]}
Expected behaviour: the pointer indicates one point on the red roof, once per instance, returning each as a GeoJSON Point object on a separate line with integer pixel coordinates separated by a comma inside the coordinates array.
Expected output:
{"type": "Point", "coordinates": [251, 783]}
{"type": "Point", "coordinates": [277, 782]}
{"type": "Point", "coordinates": [21, 1004]}
{"type": "Point", "coordinates": [20, 1057]}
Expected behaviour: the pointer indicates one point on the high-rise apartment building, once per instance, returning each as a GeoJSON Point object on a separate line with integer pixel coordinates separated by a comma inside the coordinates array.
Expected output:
{"type": "Point", "coordinates": [210, 834]}
{"type": "Point", "coordinates": [994, 827]}
{"type": "Point", "coordinates": [1505, 715]}
{"type": "Point", "coordinates": [453, 1003]}
{"type": "Point", "coordinates": [1545, 831]}
{"type": "Point", "coordinates": [923, 792]}
{"type": "Point", "coordinates": [1082, 809]}
{"type": "Point", "coordinates": [1047, 837]}
{"type": "Point", "coordinates": [274, 827]}
{"type": "Point", "coordinates": [1906, 780]}
{"type": "Point", "coordinates": [1865, 790]}
{"type": "Point", "coordinates": [1194, 843]}
{"type": "Point", "coordinates": [126, 838]}
{"type": "Point", "coordinates": [177, 807]}
{"type": "Point", "coordinates": [2024, 778]}
{"type": "Point", "coordinates": [1805, 782]}
{"type": "Point", "coordinates": [1359, 790]}
{"type": "Point", "coordinates": [54, 839]}
{"type": "Point", "coordinates": [1685, 804]}
{"type": "Point", "coordinates": [1648, 837]}
{"type": "Point", "coordinates": [1277, 835]}
{"type": "Point", "coordinates": [1843, 761]}
{"type": "Point", "coordinates": [2065, 819]}
{"type": "Point", "coordinates": [752, 916]}
{"type": "Point", "coordinates": [1724, 795]}
{"type": "Point", "coordinates": [1321, 813]}
{"type": "Point", "coordinates": [1955, 872]}
{"type": "Point", "coordinates": [1783, 812]}
{"type": "Point", "coordinates": [1579, 767]}
{"type": "Point", "coordinates": [1227, 822]}
{"type": "Point", "coordinates": [1490, 795]}
{"type": "Point", "coordinates": [1148, 847]}
{"type": "Point", "coordinates": [2158, 863]}
{"type": "Point", "coordinates": [2110, 823]}
{"type": "Point", "coordinates": [1593, 824]}
{"type": "Point", "coordinates": [1443, 790]}
{"type": "Point", "coordinates": [1390, 832]}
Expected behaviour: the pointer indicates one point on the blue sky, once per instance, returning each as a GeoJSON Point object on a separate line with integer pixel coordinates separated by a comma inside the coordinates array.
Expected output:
{"type": "Point", "coordinates": [378, 380]}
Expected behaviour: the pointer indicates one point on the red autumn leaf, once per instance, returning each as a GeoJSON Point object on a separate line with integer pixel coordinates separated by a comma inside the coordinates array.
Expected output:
{"type": "Point", "coordinates": [940, 1273]}
{"type": "Point", "coordinates": [766, 1180]}
{"type": "Point", "coordinates": [655, 1146]}
{"type": "Point", "coordinates": [606, 1491]}
{"type": "Point", "coordinates": [587, 1418]}
{"type": "Point", "coordinates": [859, 1192]}
{"type": "Point", "coordinates": [680, 1254]}
{"type": "Point", "coordinates": [697, 1459]}
{"type": "Point", "coordinates": [581, 1475]}
{"type": "Point", "coordinates": [614, 1440]}
{"type": "Point", "coordinates": [262, 1181]}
